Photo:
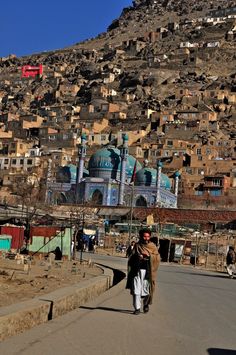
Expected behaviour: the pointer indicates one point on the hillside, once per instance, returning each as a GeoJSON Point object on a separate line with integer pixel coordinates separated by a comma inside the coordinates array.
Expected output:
{"type": "Point", "coordinates": [166, 65]}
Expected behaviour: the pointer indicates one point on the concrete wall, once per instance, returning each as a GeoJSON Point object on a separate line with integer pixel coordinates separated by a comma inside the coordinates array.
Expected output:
{"type": "Point", "coordinates": [19, 317]}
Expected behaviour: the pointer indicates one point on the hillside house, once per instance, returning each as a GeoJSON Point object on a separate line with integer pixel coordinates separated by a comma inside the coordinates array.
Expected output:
{"type": "Point", "coordinates": [67, 89]}
{"type": "Point", "coordinates": [98, 92]}
{"type": "Point", "coordinates": [116, 115]}
{"type": "Point", "coordinates": [13, 146]}
{"type": "Point", "coordinates": [108, 78]}
{"type": "Point", "coordinates": [133, 47]}
{"type": "Point", "coordinates": [213, 185]}
{"type": "Point", "coordinates": [19, 164]}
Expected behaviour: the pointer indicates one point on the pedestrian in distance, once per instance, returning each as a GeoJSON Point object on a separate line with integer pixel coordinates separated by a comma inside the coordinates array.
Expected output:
{"type": "Point", "coordinates": [130, 248]}
{"type": "Point", "coordinates": [142, 269]}
{"type": "Point", "coordinates": [58, 253]}
{"type": "Point", "coordinates": [230, 262]}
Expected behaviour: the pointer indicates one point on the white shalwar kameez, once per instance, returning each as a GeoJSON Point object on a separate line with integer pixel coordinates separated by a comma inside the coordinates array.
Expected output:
{"type": "Point", "coordinates": [141, 289]}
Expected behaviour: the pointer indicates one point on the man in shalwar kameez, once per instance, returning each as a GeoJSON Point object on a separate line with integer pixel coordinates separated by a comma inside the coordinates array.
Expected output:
{"type": "Point", "coordinates": [142, 268]}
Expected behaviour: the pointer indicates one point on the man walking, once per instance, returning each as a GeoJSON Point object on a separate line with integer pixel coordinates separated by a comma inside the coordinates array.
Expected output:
{"type": "Point", "coordinates": [230, 261]}
{"type": "Point", "coordinates": [142, 268]}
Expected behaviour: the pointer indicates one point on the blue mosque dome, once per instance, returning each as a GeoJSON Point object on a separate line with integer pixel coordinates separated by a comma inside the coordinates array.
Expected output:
{"type": "Point", "coordinates": [67, 174]}
{"type": "Point", "coordinates": [106, 163]}
{"type": "Point", "coordinates": [148, 176]}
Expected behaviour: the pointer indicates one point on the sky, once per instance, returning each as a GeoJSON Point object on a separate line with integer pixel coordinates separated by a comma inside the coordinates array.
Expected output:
{"type": "Point", "coordinates": [28, 27]}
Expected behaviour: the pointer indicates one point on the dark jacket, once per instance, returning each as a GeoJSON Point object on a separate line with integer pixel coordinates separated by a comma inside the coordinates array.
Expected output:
{"type": "Point", "coordinates": [230, 258]}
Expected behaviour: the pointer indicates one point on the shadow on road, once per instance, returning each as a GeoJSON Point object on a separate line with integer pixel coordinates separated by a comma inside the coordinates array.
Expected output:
{"type": "Point", "coordinates": [108, 309]}
{"type": "Point", "coordinates": [218, 275]}
{"type": "Point", "coordinates": [225, 276]}
{"type": "Point", "coordinates": [217, 351]}
{"type": "Point", "coordinates": [190, 285]}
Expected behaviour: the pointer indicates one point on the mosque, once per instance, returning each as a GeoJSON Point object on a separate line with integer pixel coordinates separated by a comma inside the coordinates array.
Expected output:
{"type": "Point", "coordinates": [113, 178]}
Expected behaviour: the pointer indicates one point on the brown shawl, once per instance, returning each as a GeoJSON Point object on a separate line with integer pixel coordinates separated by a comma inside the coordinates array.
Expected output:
{"type": "Point", "coordinates": [151, 250]}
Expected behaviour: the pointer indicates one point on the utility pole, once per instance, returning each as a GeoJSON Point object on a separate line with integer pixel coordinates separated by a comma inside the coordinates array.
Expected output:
{"type": "Point", "coordinates": [81, 250]}
{"type": "Point", "coordinates": [48, 178]}
{"type": "Point", "coordinates": [131, 212]}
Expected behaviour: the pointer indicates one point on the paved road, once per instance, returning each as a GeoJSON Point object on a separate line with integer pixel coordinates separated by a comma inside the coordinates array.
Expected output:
{"type": "Point", "coordinates": [193, 313]}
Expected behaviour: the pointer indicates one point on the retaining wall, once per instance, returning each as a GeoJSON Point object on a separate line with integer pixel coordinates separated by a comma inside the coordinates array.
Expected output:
{"type": "Point", "coordinates": [19, 317]}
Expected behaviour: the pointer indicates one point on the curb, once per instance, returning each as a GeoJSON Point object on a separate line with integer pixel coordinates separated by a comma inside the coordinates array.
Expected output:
{"type": "Point", "coordinates": [21, 316]}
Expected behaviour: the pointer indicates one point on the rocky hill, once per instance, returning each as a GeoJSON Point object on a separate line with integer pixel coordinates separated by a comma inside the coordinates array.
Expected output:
{"type": "Point", "coordinates": [159, 57]}
{"type": "Point", "coordinates": [138, 63]}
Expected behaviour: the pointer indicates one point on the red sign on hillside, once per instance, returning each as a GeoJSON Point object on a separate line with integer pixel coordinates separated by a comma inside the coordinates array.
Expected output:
{"type": "Point", "coordinates": [28, 71]}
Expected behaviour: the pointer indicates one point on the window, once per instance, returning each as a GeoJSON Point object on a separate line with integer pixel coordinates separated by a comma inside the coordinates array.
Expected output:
{"type": "Point", "coordinates": [215, 192]}
{"type": "Point", "coordinates": [217, 182]}
{"type": "Point", "coordinates": [6, 161]}
{"type": "Point", "coordinates": [189, 170]}
{"type": "Point", "coordinates": [170, 143]}
{"type": "Point", "coordinates": [199, 151]}
{"type": "Point", "coordinates": [208, 151]}
{"type": "Point", "coordinates": [198, 193]}
{"type": "Point", "coordinates": [199, 157]}
{"type": "Point", "coordinates": [21, 161]}
{"type": "Point", "coordinates": [13, 161]}
{"type": "Point", "coordinates": [29, 161]}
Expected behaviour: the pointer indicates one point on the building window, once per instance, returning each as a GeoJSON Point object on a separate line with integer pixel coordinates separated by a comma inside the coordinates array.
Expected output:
{"type": "Point", "coordinates": [170, 143]}
{"type": "Point", "coordinates": [13, 161]}
{"type": "Point", "coordinates": [21, 161]}
{"type": "Point", "coordinates": [217, 182]}
{"type": "Point", "coordinates": [29, 161]}
{"type": "Point", "coordinates": [199, 151]}
{"type": "Point", "coordinates": [215, 192]}
{"type": "Point", "coordinates": [189, 171]}
{"type": "Point", "coordinates": [6, 161]}
{"type": "Point", "coordinates": [199, 157]}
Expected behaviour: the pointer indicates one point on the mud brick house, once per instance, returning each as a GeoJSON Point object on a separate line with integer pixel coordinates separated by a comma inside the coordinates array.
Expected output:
{"type": "Point", "coordinates": [13, 146]}
{"type": "Point", "coordinates": [214, 185]}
